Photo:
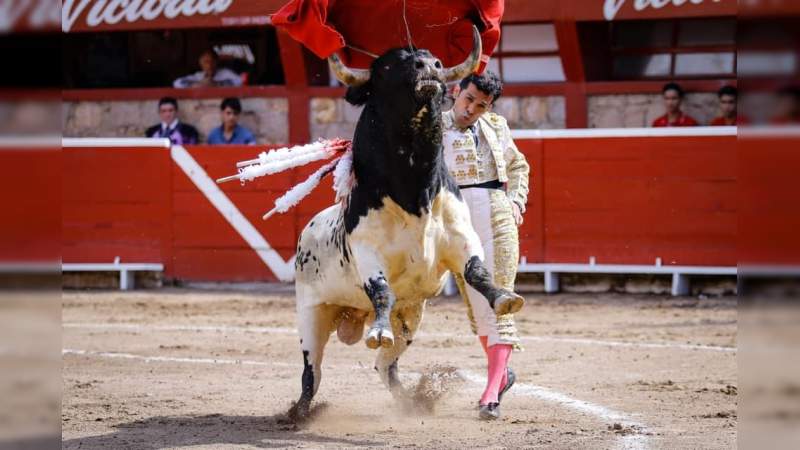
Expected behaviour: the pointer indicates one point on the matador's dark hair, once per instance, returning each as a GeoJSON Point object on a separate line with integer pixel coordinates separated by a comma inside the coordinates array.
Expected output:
{"type": "Point", "coordinates": [488, 82]}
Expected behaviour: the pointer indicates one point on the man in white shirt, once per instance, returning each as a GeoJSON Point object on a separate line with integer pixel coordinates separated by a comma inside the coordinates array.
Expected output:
{"type": "Point", "coordinates": [210, 75]}
{"type": "Point", "coordinates": [493, 177]}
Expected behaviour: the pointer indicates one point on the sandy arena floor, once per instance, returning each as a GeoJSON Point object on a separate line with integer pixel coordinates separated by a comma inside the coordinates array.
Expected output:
{"type": "Point", "coordinates": [177, 368]}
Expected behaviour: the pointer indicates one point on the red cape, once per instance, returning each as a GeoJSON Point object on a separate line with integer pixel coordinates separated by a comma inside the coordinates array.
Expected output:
{"type": "Point", "coordinates": [444, 27]}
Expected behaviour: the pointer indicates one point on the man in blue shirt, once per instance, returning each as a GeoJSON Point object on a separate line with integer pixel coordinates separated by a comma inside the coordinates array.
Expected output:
{"type": "Point", "coordinates": [230, 132]}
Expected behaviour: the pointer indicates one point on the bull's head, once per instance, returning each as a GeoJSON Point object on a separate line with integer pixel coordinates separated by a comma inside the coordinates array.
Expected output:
{"type": "Point", "coordinates": [404, 70]}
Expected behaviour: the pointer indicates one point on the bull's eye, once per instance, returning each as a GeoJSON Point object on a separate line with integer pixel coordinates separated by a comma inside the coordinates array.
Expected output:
{"type": "Point", "coordinates": [438, 64]}
{"type": "Point", "coordinates": [419, 64]}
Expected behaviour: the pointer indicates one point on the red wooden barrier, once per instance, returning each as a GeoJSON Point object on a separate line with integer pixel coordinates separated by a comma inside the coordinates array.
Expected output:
{"type": "Point", "coordinates": [206, 246]}
{"type": "Point", "coordinates": [116, 202]}
{"type": "Point", "coordinates": [769, 217]}
{"type": "Point", "coordinates": [136, 203]}
{"type": "Point", "coordinates": [30, 191]}
{"type": "Point", "coordinates": [631, 200]}
{"type": "Point", "coordinates": [624, 200]}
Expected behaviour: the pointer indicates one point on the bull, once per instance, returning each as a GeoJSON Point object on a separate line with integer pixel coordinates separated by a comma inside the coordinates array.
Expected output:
{"type": "Point", "coordinates": [377, 256]}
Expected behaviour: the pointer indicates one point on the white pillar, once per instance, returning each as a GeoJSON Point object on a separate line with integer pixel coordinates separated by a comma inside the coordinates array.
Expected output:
{"type": "Point", "coordinates": [450, 287]}
{"type": "Point", "coordinates": [126, 280]}
{"type": "Point", "coordinates": [550, 282]}
{"type": "Point", "coordinates": [680, 284]}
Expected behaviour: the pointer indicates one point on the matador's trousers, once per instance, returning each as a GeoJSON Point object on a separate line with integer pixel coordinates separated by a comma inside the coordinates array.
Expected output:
{"type": "Point", "coordinates": [493, 220]}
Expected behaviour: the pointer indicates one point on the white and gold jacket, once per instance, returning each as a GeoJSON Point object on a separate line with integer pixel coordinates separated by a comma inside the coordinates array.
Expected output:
{"type": "Point", "coordinates": [496, 158]}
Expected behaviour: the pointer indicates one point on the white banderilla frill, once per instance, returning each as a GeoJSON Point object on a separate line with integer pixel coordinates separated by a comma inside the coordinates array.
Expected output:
{"type": "Point", "coordinates": [286, 158]}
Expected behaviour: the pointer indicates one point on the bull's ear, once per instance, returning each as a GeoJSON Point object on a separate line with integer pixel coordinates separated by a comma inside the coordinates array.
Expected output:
{"type": "Point", "coordinates": [358, 95]}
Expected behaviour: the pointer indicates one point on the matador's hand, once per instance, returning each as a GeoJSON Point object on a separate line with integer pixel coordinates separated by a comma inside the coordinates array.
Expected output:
{"type": "Point", "coordinates": [517, 213]}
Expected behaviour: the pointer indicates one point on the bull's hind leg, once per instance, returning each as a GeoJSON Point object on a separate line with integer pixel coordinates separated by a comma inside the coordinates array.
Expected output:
{"type": "Point", "coordinates": [372, 273]}
{"type": "Point", "coordinates": [405, 324]}
{"type": "Point", "coordinates": [315, 324]}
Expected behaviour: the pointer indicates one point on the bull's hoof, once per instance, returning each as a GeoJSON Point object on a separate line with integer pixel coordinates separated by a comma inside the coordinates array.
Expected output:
{"type": "Point", "coordinates": [508, 303]}
{"type": "Point", "coordinates": [299, 412]}
{"type": "Point", "coordinates": [380, 337]}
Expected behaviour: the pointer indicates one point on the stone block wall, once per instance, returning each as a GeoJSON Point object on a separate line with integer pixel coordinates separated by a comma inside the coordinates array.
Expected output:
{"type": "Point", "coordinates": [540, 113]}
{"type": "Point", "coordinates": [267, 118]}
{"type": "Point", "coordinates": [639, 110]}
{"type": "Point", "coordinates": [334, 117]}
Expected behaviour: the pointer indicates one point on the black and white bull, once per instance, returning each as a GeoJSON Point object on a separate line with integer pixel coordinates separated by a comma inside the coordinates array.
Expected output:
{"type": "Point", "coordinates": [380, 255]}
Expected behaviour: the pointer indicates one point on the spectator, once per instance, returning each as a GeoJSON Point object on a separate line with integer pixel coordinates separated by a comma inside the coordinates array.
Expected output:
{"type": "Point", "coordinates": [673, 96]}
{"type": "Point", "coordinates": [209, 75]}
{"type": "Point", "coordinates": [230, 132]}
{"type": "Point", "coordinates": [178, 133]}
{"type": "Point", "coordinates": [728, 96]}
{"type": "Point", "coordinates": [787, 109]}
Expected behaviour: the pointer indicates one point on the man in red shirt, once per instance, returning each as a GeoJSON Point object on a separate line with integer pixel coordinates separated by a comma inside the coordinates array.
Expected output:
{"type": "Point", "coordinates": [728, 96]}
{"type": "Point", "coordinates": [673, 96]}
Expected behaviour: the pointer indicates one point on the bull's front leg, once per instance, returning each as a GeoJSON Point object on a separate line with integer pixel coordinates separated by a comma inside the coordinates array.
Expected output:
{"type": "Point", "coordinates": [373, 276]}
{"type": "Point", "coordinates": [501, 300]}
{"type": "Point", "coordinates": [382, 298]}
{"type": "Point", "coordinates": [465, 256]}
{"type": "Point", "coordinates": [405, 324]}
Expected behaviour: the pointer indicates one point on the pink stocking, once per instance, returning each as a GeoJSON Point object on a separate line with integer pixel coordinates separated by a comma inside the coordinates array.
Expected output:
{"type": "Point", "coordinates": [498, 361]}
{"type": "Point", "coordinates": [485, 344]}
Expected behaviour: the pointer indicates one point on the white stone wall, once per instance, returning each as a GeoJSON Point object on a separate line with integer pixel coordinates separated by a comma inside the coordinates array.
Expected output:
{"type": "Point", "coordinates": [267, 118]}
{"type": "Point", "coordinates": [639, 110]}
{"type": "Point", "coordinates": [334, 117]}
{"type": "Point", "coordinates": [533, 112]}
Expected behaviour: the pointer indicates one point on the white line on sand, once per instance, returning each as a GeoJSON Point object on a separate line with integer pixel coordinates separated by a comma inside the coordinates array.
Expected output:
{"type": "Point", "coordinates": [636, 436]}
{"type": "Point", "coordinates": [148, 359]}
{"type": "Point", "coordinates": [636, 439]}
{"type": "Point", "coordinates": [278, 330]}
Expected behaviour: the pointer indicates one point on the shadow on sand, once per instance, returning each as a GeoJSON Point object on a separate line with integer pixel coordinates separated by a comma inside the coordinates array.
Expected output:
{"type": "Point", "coordinates": [182, 431]}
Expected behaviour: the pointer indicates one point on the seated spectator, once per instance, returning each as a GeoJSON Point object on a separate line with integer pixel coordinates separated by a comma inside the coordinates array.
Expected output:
{"type": "Point", "coordinates": [170, 127]}
{"type": "Point", "coordinates": [209, 75]}
{"type": "Point", "coordinates": [728, 96]}
{"type": "Point", "coordinates": [230, 132]}
{"type": "Point", "coordinates": [787, 109]}
{"type": "Point", "coordinates": [673, 96]}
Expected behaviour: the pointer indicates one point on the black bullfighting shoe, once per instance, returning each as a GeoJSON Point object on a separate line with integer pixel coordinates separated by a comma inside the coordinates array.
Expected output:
{"type": "Point", "coordinates": [511, 378]}
{"type": "Point", "coordinates": [489, 412]}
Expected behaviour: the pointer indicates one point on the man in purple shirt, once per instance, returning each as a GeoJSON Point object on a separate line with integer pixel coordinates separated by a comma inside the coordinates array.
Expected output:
{"type": "Point", "coordinates": [170, 127]}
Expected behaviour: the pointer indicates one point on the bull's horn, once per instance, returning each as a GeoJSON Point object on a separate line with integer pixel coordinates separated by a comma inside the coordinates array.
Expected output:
{"type": "Point", "coordinates": [348, 76]}
{"type": "Point", "coordinates": [470, 64]}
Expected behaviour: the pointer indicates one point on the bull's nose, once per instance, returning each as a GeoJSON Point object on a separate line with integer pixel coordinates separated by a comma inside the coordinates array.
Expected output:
{"type": "Point", "coordinates": [428, 65]}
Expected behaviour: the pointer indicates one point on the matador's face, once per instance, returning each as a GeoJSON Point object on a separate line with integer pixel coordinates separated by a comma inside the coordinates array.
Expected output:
{"type": "Point", "coordinates": [470, 105]}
